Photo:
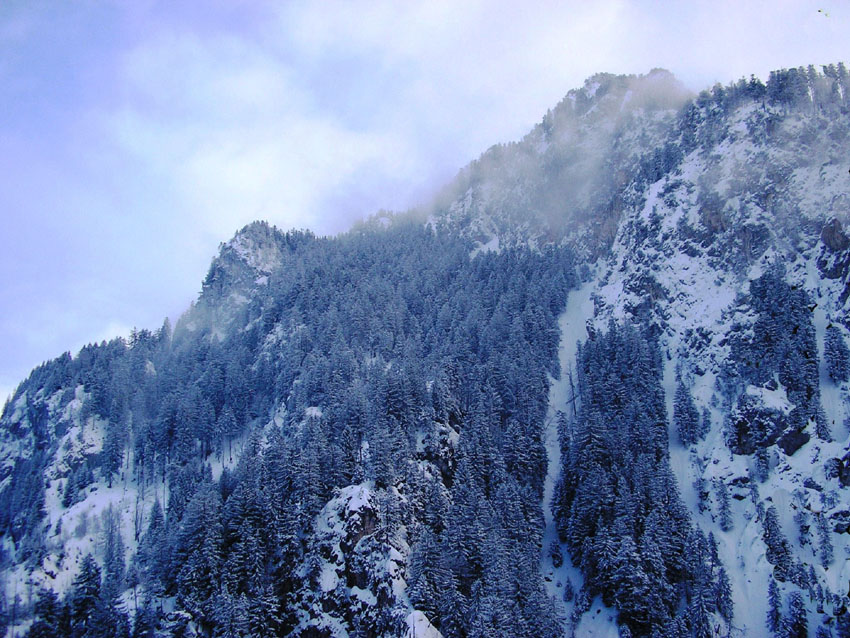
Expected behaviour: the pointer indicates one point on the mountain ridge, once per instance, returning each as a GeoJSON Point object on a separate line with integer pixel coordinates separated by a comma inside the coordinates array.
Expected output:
{"type": "Point", "coordinates": [408, 443]}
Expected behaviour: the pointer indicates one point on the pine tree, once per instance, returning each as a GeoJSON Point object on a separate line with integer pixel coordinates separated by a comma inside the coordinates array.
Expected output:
{"type": "Point", "coordinates": [823, 632]}
{"type": "Point", "coordinates": [796, 624]}
{"type": "Point", "coordinates": [146, 621]}
{"type": "Point", "coordinates": [778, 553]}
{"type": "Point", "coordinates": [762, 465]}
{"type": "Point", "coordinates": [79, 479]}
{"type": "Point", "coordinates": [342, 317]}
{"type": "Point", "coordinates": [109, 620]}
{"type": "Point", "coordinates": [685, 415]}
{"type": "Point", "coordinates": [774, 608]}
{"type": "Point", "coordinates": [47, 612]}
{"type": "Point", "coordinates": [83, 597]}
{"type": "Point", "coordinates": [69, 492]}
{"type": "Point", "coordinates": [701, 488]}
{"type": "Point", "coordinates": [421, 582]}
{"type": "Point", "coordinates": [150, 556]}
{"type": "Point", "coordinates": [825, 551]}
{"type": "Point", "coordinates": [262, 610]}
{"type": "Point", "coordinates": [698, 614]}
{"type": "Point", "coordinates": [724, 510]}
{"type": "Point", "coordinates": [705, 423]}
{"type": "Point", "coordinates": [836, 354]}
{"type": "Point", "coordinates": [226, 428]}
{"type": "Point", "coordinates": [816, 591]}
{"type": "Point", "coordinates": [801, 517]}
{"type": "Point", "coordinates": [231, 616]}
{"type": "Point", "coordinates": [723, 593]}
{"type": "Point", "coordinates": [199, 547]}
{"type": "Point", "coordinates": [450, 605]}
{"type": "Point", "coordinates": [842, 625]}
{"type": "Point", "coordinates": [113, 553]}
{"type": "Point", "coordinates": [113, 450]}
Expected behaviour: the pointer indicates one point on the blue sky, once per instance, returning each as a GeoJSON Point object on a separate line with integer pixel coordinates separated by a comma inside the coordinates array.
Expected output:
{"type": "Point", "coordinates": [137, 136]}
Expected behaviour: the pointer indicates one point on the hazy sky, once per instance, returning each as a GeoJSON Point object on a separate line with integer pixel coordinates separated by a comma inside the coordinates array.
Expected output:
{"type": "Point", "coordinates": [135, 136]}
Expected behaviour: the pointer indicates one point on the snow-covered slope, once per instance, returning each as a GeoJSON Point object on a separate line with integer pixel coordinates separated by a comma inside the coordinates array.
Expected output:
{"type": "Point", "coordinates": [684, 262]}
{"type": "Point", "coordinates": [740, 180]}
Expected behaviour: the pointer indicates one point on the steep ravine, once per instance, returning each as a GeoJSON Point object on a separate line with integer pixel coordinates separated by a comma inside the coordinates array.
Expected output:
{"type": "Point", "coordinates": [600, 621]}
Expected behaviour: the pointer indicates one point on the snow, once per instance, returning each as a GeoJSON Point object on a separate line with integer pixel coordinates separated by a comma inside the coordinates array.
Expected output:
{"type": "Point", "coordinates": [742, 549]}
{"type": "Point", "coordinates": [418, 626]}
{"type": "Point", "coordinates": [573, 329]}
{"type": "Point", "coordinates": [230, 454]}
{"type": "Point", "coordinates": [591, 87]}
{"type": "Point", "coordinates": [365, 596]}
{"type": "Point", "coordinates": [349, 550]}
{"type": "Point", "coordinates": [358, 497]}
{"type": "Point", "coordinates": [492, 245]}
{"type": "Point", "coordinates": [773, 399]}
{"type": "Point", "coordinates": [328, 579]}
{"type": "Point", "coordinates": [237, 299]}
{"type": "Point", "coordinates": [598, 622]}
{"type": "Point", "coordinates": [834, 398]}
{"type": "Point", "coordinates": [76, 531]}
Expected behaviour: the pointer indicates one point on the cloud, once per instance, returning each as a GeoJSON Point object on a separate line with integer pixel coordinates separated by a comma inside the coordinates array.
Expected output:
{"type": "Point", "coordinates": [338, 109]}
{"type": "Point", "coordinates": [315, 114]}
{"type": "Point", "coordinates": [149, 131]}
{"type": "Point", "coordinates": [237, 137]}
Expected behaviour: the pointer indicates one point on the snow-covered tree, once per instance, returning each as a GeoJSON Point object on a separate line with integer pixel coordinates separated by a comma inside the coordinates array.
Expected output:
{"type": "Point", "coordinates": [685, 415]}
{"type": "Point", "coordinates": [836, 354]}
{"type": "Point", "coordinates": [774, 608]}
{"type": "Point", "coordinates": [724, 511]}
{"type": "Point", "coordinates": [795, 624]}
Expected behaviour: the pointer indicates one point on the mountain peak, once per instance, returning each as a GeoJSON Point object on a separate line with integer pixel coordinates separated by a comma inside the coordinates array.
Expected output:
{"type": "Point", "coordinates": [568, 175]}
{"type": "Point", "coordinates": [258, 245]}
{"type": "Point", "coordinates": [622, 94]}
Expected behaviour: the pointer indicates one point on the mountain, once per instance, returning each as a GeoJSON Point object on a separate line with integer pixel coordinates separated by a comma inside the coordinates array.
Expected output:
{"type": "Point", "coordinates": [600, 385]}
{"type": "Point", "coordinates": [573, 173]}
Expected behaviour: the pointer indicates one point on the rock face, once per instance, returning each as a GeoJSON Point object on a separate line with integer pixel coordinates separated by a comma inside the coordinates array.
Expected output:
{"type": "Point", "coordinates": [833, 236]}
{"type": "Point", "coordinates": [350, 436]}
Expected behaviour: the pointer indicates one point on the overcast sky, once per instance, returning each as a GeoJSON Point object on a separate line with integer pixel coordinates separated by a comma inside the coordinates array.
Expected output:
{"type": "Point", "coordinates": [135, 136]}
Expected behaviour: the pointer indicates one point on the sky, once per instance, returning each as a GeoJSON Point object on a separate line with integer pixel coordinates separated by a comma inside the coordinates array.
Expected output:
{"type": "Point", "coordinates": [135, 137]}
